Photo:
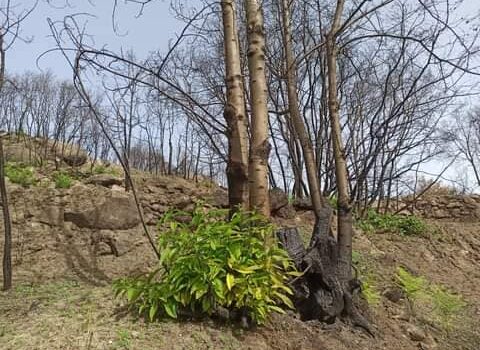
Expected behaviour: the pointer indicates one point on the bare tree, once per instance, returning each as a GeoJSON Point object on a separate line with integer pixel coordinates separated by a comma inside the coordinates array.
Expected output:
{"type": "Point", "coordinates": [259, 145]}
{"type": "Point", "coordinates": [235, 115]}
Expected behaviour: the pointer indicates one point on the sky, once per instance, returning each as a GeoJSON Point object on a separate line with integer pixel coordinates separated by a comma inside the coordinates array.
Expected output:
{"type": "Point", "coordinates": [152, 31]}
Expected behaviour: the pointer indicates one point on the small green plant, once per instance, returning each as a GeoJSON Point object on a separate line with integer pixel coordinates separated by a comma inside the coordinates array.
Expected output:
{"type": "Point", "coordinates": [438, 303]}
{"type": "Point", "coordinates": [386, 222]}
{"type": "Point", "coordinates": [333, 201]}
{"type": "Point", "coordinates": [63, 180]}
{"type": "Point", "coordinates": [20, 174]}
{"type": "Point", "coordinates": [210, 262]}
{"type": "Point", "coordinates": [124, 339]}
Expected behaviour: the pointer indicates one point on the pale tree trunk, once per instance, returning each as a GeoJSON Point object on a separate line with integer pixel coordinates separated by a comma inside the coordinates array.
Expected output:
{"type": "Point", "coordinates": [7, 247]}
{"type": "Point", "coordinates": [235, 116]}
{"type": "Point", "coordinates": [344, 216]}
{"type": "Point", "coordinates": [298, 124]}
{"type": "Point", "coordinates": [259, 146]}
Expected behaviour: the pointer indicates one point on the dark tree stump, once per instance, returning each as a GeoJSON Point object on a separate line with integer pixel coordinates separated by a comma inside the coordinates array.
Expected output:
{"type": "Point", "coordinates": [321, 294]}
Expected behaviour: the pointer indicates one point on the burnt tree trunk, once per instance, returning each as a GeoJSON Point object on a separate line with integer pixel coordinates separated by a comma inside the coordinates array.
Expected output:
{"type": "Point", "coordinates": [7, 248]}
{"type": "Point", "coordinates": [321, 293]}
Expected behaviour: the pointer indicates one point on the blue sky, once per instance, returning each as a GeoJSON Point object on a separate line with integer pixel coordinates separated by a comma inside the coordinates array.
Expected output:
{"type": "Point", "coordinates": [152, 31]}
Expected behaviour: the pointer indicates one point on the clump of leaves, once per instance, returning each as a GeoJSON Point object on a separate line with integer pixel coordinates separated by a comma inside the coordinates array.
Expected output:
{"type": "Point", "coordinates": [20, 174]}
{"type": "Point", "coordinates": [387, 222]}
{"type": "Point", "coordinates": [438, 303]}
{"type": "Point", "coordinates": [209, 261]}
{"type": "Point", "coordinates": [63, 180]}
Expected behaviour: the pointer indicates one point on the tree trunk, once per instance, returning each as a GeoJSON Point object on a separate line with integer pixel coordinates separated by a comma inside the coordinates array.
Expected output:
{"type": "Point", "coordinates": [320, 293]}
{"type": "Point", "coordinates": [7, 248]}
{"type": "Point", "coordinates": [344, 213]}
{"type": "Point", "coordinates": [299, 127]}
{"type": "Point", "coordinates": [235, 116]}
{"type": "Point", "coordinates": [259, 145]}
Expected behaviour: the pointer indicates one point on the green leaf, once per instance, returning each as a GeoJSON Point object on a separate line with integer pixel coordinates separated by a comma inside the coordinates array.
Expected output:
{"type": "Point", "coordinates": [286, 300]}
{"type": "Point", "coordinates": [132, 294]}
{"type": "Point", "coordinates": [277, 309]}
{"type": "Point", "coordinates": [171, 308]}
{"type": "Point", "coordinates": [153, 311]}
{"type": "Point", "coordinates": [230, 281]}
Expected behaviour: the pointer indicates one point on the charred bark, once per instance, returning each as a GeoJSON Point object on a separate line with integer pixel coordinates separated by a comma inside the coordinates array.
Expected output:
{"type": "Point", "coordinates": [321, 293]}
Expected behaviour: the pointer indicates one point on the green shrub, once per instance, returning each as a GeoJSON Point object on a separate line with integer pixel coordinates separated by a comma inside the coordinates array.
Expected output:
{"type": "Point", "coordinates": [405, 225]}
{"type": "Point", "coordinates": [210, 262]}
{"type": "Point", "coordinates": [20, 174]}
{"type": "Point", "coordinates": [438, 303]}
{"type": "Point", "coordinates": [63, 180]}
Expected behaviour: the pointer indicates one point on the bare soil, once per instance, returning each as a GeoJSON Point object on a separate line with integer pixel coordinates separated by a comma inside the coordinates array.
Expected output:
{"type": "Point", "coordinates": [63, 300]}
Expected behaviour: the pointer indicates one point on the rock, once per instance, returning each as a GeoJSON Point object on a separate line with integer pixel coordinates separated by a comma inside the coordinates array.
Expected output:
{"type": "Point", "coordinates": [287, 212]}
{"type": "Point", "coordinates": [50, 215]}
{"type": "Point", "coordinates": [303, 203]}
{"type": "Point", "coordinates": [105, 180]}
{"type": "Point", "coordinates": [75, 158]}
{"type": "Point", "coordinates": [117, 188]}
{"type": "Point", "coordinates": [219, 198]}
{"type": "Point", "coordinates": [416, 333]}
{"type": "Point", "coordinates": [105, 209]}
{"type": "Point", "coordinates": [394, 294]}
{"type": "Point", "coordinates": [278, 199]}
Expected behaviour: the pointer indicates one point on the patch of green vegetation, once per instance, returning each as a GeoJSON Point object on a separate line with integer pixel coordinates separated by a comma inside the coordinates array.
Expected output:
{"type": "Point", "coordinates": [124, 339]}
{"type": "Point", "coordinates": [414, 287]}
{"type": "Point", "coordinates": [20, 174]}
{"type": "Point", "coordinates": [368, 279]}
{"type": "Point", "coordinates": [210, 262]}
{"type": "Point", "coordinates": [440, 305]}
{"type": "Point", "coordinates": [62, 180]}
{"type": "Point", "coordinates": [370, 291]}
{"type": "Point", "coordinates": [102, 169]}
{"type": "Point", "coordinates": [50, 291]}
{"type": "Point", "coordinates": [387, 222]}
{"type": "Point", "coordinates": [333, 201]}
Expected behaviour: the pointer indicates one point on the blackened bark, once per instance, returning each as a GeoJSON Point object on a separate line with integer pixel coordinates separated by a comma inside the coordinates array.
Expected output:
{"type": "Point", "coordinates": [321, 293]}
{"type": "Point", "coordinates": [7, 248]}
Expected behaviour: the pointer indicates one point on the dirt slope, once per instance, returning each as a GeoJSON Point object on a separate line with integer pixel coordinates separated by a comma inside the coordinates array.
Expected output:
{"type": "Point", "coordinates": [62, 299]}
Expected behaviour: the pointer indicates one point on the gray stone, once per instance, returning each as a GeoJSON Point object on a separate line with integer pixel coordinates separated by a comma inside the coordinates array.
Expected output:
{"type": "Point", "coordinates": [415, 333]}
{"type": "Point", "coordinates": [101, 209]}
{"type": "Point", "coordinates": [105, 180]}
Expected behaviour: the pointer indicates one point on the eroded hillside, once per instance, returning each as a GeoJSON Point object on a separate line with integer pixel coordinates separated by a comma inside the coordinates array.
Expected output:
{"type": "Point", "coordinates": [71, 242]}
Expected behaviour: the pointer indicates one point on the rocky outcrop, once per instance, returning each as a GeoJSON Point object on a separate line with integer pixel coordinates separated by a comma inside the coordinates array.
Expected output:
{"type": "Point", "coordinates": [93, 208]}
{"type": "Point", "coordinates": [105, 180]}
{"type": "Point", "coordinates": [75, 159]}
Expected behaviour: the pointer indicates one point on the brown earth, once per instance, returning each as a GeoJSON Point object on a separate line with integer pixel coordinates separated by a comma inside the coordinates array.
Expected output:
{"type": "Point", "coordinates": [69, 244]}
